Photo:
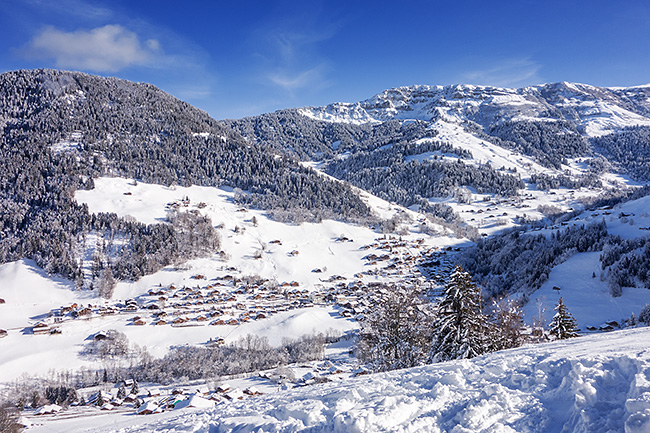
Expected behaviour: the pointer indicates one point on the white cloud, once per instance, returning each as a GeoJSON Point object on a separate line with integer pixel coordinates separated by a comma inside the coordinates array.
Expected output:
{"type": "Point", "coordinates": [295, 80]}
{"type": "Point", "coordinates": [104, 49]}
{"type": "Point", "coordinates": [507, 73]}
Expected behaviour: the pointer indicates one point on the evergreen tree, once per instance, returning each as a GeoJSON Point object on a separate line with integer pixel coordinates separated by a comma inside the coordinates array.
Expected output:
{"type": "Point", "coordinates": [563, 324]}
{"type": "Point", "coordinates": [461, 330]}
{"type": "Point", "coordinates": [135, 388]}
{"type": "Point", "coordinates": [121, 392]}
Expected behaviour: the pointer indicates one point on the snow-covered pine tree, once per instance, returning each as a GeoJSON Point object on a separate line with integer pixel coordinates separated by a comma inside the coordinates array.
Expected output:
{"type": "Point", "coordinates": [563, 324]}
{"type": "Point", "coordinates": [461, 330]}
{"type": "Point", "coordinates": [135, 388]}
{"type": "Point", "coordinates": [121, 392]}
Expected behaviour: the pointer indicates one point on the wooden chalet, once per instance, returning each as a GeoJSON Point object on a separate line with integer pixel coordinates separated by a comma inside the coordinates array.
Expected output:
{"type": "Point", "coordinates": [41, 328]}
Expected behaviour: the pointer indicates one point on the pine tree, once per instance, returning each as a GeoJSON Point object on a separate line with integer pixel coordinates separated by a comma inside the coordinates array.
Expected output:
{"type": "Point", "coordinates": [563, 324]}
{"type": "Point", "coordinates": [135, 388]}
{"type": "Point", "coordinates": [461, 330]}
{"type": "Point", "coordinates": [121, 392]}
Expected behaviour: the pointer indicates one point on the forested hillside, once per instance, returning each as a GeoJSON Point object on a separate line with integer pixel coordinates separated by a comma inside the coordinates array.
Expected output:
{"type": "Point", "coordinates": [62, 129]}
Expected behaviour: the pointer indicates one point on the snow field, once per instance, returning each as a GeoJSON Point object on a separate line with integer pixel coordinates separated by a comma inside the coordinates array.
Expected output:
{"type": "Point", "coordinates": [31, 295]}
{"type": "Point", "coordinates": [599, 383]}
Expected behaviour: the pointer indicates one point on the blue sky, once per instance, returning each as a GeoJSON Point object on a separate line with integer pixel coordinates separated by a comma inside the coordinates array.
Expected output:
{"type": "Point", "coordinates": [239, 58]}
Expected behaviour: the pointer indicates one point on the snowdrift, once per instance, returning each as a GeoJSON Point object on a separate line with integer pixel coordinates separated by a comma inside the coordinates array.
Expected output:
{"type": "Point", "coordinates": [599, 383]}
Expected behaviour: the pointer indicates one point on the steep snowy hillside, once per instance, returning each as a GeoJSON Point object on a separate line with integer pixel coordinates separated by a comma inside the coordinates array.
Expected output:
{"type": "Point", "coordinates": [60, 130]}
{"type": "Point", "coordinates": [589, 384]}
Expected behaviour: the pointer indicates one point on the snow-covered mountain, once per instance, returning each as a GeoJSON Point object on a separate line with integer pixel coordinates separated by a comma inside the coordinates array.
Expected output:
{"type": "Point", "coordinates": [595, 111]}
{"type": "Point", "coordinates": [138, 235]}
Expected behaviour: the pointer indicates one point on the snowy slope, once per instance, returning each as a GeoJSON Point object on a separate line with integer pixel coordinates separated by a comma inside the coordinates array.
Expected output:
{"type": "Point", "coordinates": [589, 384]}
{"type": "Point", "coordinates": [32, 296]}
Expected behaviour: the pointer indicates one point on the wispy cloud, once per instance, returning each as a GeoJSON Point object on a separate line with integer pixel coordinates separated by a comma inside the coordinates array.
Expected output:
{"type": "Point", "coordinates": [78, 8]}
{"type": "Point", "coordinates": [110, 48]}
{"type": "Point", "coordinates": [507, 73]}
{"type": "Point", "coordinates": [292, 80]}
{"type": "Point", "coordinates": [290, 50]}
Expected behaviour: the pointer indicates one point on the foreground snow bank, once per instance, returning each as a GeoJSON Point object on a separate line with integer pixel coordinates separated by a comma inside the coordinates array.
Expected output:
{"type": "Point", "coordinates": [599, 383]}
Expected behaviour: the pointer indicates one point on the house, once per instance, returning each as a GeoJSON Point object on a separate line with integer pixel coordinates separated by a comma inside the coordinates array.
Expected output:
{"type": "Point", "coordinates": [99, 336]}
{"type": "Point", "coordinates": [130, 398]}
{"type": "Point", "coordinates": [84, 311]}
{"type": "Point", "coordinates": [2, 301]}
{"type": "Point", "coordinates": [149, 408]}
{"type": "Point", "coordinates": [48, 409]}
{"type": "Point", "coordinates": [195, 401]}
{"type": "Point", "coordinates": [107, 406]}
{"type": "Point", "coordinates": [3, 333]}
{"type": "Point", "coordinates": [234, 394]}
{"type": "Point", "coordinates": [251, 390]}
{"type": "Point", "coordinates": [41, 328]}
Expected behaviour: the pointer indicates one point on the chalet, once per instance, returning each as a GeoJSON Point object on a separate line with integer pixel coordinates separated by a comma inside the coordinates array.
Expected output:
{"type": "Point", "coordinates": [130, 398]}
{"type": "Point", "coordinates": [3, 333]}
{"type": "Point", "coordinates": [41, 328]}
{"type": "Point", "coordinates": [139, 322]}
{"type": "Point", "coordinates": [105, 397]}
{"type": "Point", "coordinates": [48, 409]}
{"type": "Point", "coordinates": [217, 342]}
{"type": "Point", "coordinates": [234, 394]}
{"type": "Point", "coordinates": [251, 390]}
{"type": "Point", "coordinates": [99, 336]}
{"type": "Point", "coordinates": [218, 322]}
{"type": "Point", "coordinates": [149, 408]}
{"type": "Point", "coordinates": [85, 311]}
